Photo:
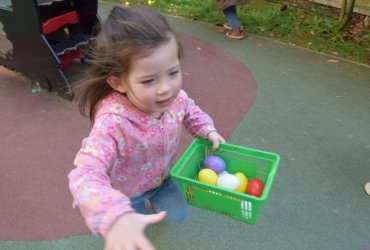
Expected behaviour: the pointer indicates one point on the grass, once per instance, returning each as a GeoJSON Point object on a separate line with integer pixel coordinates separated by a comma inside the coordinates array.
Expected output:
{"type": "Point", "coordinates": [294, 25]}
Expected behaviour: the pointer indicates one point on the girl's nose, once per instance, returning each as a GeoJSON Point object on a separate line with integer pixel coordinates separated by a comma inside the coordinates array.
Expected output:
{"type": "Point", "coordinates": [164, 87]}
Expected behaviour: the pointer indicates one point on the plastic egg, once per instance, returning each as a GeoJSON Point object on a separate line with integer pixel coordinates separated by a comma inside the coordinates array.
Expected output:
{"type": "Point", "coordinates": [222, 174]}
{"type": "Point", "coordinates": [208, 176]}
{"type": "Point", "coordinates": [228, 181]}
{"type": "Point", "coordinates": [255, 187]}
{"type": "Point", "coordinates": [243, 182]}
{"type": "Point", "coordinates": [215, 163]}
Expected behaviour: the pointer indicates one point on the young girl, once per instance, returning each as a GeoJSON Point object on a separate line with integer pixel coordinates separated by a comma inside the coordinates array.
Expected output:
{"type": "Point", "coordinates": [134, 99]}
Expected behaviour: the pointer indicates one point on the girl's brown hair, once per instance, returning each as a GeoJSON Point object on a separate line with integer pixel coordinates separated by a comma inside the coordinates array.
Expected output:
{"type": "Point", "coordinates": [127, 34]}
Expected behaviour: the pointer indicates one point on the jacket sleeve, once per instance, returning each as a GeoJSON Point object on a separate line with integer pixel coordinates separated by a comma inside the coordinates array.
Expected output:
{"type": "Point", "coordinates": [196, 122]}
{"type": "Point", "coordinates": [89, 182]}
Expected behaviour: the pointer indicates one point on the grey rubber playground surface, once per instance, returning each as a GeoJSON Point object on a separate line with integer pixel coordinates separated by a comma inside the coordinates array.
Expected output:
{"type": "Point", "coordinates": [311, 109]}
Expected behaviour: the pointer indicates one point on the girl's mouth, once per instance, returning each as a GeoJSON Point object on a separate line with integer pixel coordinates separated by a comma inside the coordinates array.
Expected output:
{"type": "Point", "coordinates": [164, 103]}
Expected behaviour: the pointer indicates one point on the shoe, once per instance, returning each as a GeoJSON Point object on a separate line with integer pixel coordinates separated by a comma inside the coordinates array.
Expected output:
{"type": "Point", "coordinates": [236, 34]}
{"type": "Point", "coordinates": [227, 26]}
{"type": "Point", "coordinates": [367, 188]}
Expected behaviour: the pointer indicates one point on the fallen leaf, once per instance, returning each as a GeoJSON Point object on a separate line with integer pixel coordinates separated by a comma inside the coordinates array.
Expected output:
{"type": "Point", "coordinates": [359, 25]}
{"type": "Point", "coordinates": [366, 21]}
{"type": "Point", "coordinates": [345, 33]}
{"type": "Point", "coordinates": [260, 45]}
{"type": "Point", "coordinates": [284, 7]}
{"type": "Point", "coordinates": [297, 24]}
{"type": "Point", "coordinates": [333, 60]}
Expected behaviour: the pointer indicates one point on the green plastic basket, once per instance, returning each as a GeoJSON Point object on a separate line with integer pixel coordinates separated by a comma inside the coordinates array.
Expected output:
{"type": "Point", "coordinates": [253, 163]}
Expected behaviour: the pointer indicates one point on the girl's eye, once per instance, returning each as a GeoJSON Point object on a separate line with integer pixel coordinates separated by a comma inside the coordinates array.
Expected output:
{"type": "Point", "coordinates": [147, 81]}
{"type": "Point", "coordinates": [173, 73]}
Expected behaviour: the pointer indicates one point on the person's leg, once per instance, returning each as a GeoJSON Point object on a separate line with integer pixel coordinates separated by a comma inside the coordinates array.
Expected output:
{"type": "Point", "coordinates": [138, 203]}
{"type": "Point", "coordinates": [232, 18]}
{"type": "Point", "coordinates": [236, 30]}
{"type": "Point", "coordinates": [168, 197]}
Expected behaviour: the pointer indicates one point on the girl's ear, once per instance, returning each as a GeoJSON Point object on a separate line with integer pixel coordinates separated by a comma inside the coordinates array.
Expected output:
{"type": "Point", "coordinates": [116, 83]}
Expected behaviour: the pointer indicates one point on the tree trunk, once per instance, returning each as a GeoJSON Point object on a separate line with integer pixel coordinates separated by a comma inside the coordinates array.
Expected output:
{"type": "Point", "coordinates": [346, 11]}
{"type": "Point", "coordinates": [343, 10]}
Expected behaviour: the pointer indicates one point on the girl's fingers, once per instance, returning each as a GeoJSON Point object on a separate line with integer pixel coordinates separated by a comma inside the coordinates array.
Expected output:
{"type": "Point", "coordinates": [215, 145]}
{"type": "Point", "coordinates": [144, 244]}
{"type": "Point", "coordinates": [155, 218]}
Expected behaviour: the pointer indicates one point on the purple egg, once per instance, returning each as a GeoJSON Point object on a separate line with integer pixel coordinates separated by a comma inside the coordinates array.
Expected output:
{"type": "Point", "coordinates": [215, 163]}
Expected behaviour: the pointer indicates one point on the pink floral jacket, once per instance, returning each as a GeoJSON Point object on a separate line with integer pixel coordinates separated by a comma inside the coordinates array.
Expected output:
{"type": "Point", "coordinates": [128, 153]}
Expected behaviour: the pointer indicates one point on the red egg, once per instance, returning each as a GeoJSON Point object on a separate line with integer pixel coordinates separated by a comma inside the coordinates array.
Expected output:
{"type": "Point", "coordinates": [255, 187]}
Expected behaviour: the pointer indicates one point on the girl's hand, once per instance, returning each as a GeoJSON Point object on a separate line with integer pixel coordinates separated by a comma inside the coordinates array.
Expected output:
{"type": "Point", "coordinates": [215, 138]}
{"type": "Point", "coordinates": [128, 232]}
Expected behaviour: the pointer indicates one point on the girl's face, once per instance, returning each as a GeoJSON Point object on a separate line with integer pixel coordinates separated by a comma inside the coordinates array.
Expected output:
{"type": "Point", "coordinates": [154, 80]}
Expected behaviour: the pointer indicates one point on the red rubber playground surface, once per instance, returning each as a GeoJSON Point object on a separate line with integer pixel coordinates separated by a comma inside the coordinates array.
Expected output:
{"type": "Point", "coordinates": [41, 133]}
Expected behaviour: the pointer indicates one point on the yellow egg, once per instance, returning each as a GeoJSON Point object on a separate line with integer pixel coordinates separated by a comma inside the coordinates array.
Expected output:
{"type": "Point", "coordinates": [243, 182]}
{"type": "Point", "coordinates": [207, 175]}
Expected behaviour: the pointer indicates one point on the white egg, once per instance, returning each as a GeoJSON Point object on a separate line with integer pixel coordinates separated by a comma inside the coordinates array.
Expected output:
{"type": "Point", "coordinates": [228, 181]}
{"type": "Point", "coordinates": [222, 174]}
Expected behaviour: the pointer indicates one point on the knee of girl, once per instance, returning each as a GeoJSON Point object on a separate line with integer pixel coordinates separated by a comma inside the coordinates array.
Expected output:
{"type": "Point", "coordinates": [177, 216]}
